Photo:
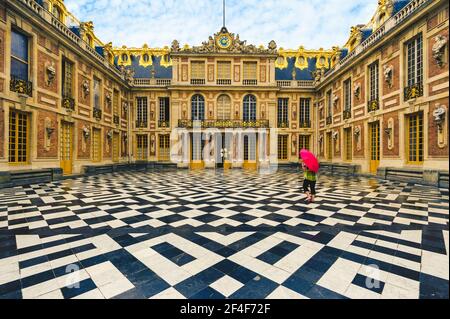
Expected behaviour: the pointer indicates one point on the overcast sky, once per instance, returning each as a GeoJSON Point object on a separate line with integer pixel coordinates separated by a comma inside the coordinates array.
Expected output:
{"type": "Point", "coordinates": [291, 23]}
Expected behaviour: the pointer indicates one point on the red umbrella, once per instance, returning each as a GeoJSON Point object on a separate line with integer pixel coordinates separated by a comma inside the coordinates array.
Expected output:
{"type": "Point", "coordinates": [310, 160]}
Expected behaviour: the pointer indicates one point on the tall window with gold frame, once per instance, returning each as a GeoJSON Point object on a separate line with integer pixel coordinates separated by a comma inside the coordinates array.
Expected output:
{"type": "Point", "coordinates": [19, 125]}
{"type": "Point", "coordinates": [116, 98]}
{"type": "Point", "coordinates": [282, 147]}
{"type": "Point", "coordinates": [224, 70]}
{"type": "Point", "coordinates": [164, 148]}
{"type": "Point", "coordinates": [198, 70]}
{"type": "Point", "coordinates": [67, 83]}
{"type": "Point", "coordinates": [96, 145]}
{"type": "Point", "coordinates": [304, 142]}
{"type": "Point", "coordinates": [348, 140]}
{"type": "Point", "coordinates": [415, 146]}
{"type": "Point", "coordinates": [116, 147]}
{"type": "Point", "coordinates": [141, 147]}
{"type": "Point", "coordinates": [250, 70]}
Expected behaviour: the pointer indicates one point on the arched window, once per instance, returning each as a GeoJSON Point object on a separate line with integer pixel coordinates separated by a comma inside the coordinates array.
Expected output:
{"type": "Point", "coordinates": [57, 12]}
{"type": "Point", "coordinates": [224, 107]}
{"type": "Point", "coordinates": [198, 107]}
{"type": "Point", "coordinates": [249, 108]}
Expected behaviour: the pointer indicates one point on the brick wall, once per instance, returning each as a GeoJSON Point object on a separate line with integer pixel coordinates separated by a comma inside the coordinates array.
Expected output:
{"type": "Point", "coordinates": [82, 99]}
{"type": "Point", "coordinates": [395, 150]}
{"type": "Point", "coordinates": [86, 152]}
{"type": "Point", "coordinates": [433, 149]}
{"type": "Point", "coordinates": [2, 132]}
{"type": "Point", "coordinates": [2, 51]}
{"type": "Point", "coordinates": [42, 151]}
{"type": "Point", "coordinates": [44, 60]}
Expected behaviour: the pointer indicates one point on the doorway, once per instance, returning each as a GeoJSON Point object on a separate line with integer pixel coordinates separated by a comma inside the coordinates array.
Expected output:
{"type": "Point", "coordinates": [374, 135]}
{"type": "Point", "coordinates": [66, 147]}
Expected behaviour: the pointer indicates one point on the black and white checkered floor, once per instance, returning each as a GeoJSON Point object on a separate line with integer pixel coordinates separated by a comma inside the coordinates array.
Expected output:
{"type": "Point", "coordinates": [181, 234]}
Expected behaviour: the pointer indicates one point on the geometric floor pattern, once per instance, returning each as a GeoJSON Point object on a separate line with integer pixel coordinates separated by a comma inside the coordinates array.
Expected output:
{"type": "Point", "coordinates": [214, 235]}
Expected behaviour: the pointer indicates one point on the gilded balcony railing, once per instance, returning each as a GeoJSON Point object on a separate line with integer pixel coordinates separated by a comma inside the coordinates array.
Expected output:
{"type": "Point", "coordinates": [347, 114]}
{"type": "Point", "coordinates": [414, 91]}
{"type": "Point", "coordinates": [283, 124]}
{"type": "Point", "coordinates": [373, 106]}
{"type": "Point", "coordinates": [329, 120]}
{"type": "Point", "coordinates": [141, 124]}
{"type": "Point", "coordinates": [97, 113]}
{"type": "Point", "coordinates": [223, 124]}
{"type": "Point", "coordinates": [305, 124]}
{"type": "Point", "coordinates": [116, 119]}
{"type": "Point", "coordinates": [21, 86]}
{"type": "Point", "coordinates": [68, 103]}
{"type": "Point", "coordinates": [163, 124]}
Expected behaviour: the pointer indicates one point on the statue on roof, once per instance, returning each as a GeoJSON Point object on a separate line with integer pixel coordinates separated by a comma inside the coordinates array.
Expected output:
{"type": "Point", "coordinates": [175, 46]}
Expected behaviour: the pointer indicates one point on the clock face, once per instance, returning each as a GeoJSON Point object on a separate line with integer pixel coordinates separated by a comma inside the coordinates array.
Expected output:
{"type": "Point", "coordinates": [224, 41]}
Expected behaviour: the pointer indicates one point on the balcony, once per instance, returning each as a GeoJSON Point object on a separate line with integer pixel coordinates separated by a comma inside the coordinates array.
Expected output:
{"type": "Point", "coordinates": [329, 120]}
{"type": "Point", "coordinates": [296, 84]}
{"type": "Point", "coordinates": [224, 124]}
{"type": "Point", "coordinates": [198, 81]}
{"type": "Point", "coordinates": [152, 82]}
{"type": "Point", "coordinates": [68, 103]}
{"type": "Point", "coordinates": [373, 106]}
{"type": "Point", "coordinates": [347, 114]}
{"type": "Point", "coordinates": [283, 124]}
{"type": "Point", "coordinates": [141, 124]}
{"type": "Point", "coordinates": [97, 113]}
{"type": "Point", "coordinates": [223, 82]}
{"type": "Point", "coordinates": [305, 124]}
{"type": "Point", "coordinates": [163, 124]}
{"type": "Point", "coordinates": [116, 119]}
{"type": "Point", "coordinates": [250, 82]}
{"type": "Point", "coordinates": [21, 86]}
{"type": "Point", "coordinates": [414, 91]}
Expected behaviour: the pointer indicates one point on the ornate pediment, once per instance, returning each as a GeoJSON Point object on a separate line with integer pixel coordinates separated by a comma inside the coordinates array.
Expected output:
{"type": "Point", "coordinates": [225, 42]}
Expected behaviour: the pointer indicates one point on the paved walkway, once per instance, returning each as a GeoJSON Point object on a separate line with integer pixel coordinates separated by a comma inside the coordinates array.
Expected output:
{"type": "Point", "coordinates": [180, 234]}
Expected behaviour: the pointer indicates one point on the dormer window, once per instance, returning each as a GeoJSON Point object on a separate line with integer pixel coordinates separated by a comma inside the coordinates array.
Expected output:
{"type": "Point", "coordinates": [146, 57]}
{"type": "Point", "coordinates": [57, 12]}
{"type": "Point", "coordinates": [124, 57]}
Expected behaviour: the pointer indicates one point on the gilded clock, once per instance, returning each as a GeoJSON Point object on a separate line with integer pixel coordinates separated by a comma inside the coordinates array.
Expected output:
{"type": "Point", "coordinates": [224, 41]}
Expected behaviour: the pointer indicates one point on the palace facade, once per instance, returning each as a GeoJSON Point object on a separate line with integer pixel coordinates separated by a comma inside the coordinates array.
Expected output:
{"type": "Point", "coordinates": [69, 100]}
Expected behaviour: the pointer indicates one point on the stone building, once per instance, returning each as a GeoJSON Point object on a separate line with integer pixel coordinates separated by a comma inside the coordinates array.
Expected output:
{"type": "Point", "coordinates": [71, 102]}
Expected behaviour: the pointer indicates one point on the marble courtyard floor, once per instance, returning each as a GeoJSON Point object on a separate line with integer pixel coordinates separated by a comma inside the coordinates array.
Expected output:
{"type": "Point", "coordinates": [181, 234]}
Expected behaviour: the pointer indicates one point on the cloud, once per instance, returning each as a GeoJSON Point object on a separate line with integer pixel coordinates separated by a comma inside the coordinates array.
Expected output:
{"type": "Point", "coordinates": [291, 23]}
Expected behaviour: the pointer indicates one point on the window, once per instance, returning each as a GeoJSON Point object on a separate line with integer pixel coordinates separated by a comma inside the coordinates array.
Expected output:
{"type": "Point", "coordinates": [250, 71]}
{"type": "Point", "coordinates": [57, 12]}
{"type": "Point", "coordinates": [282, 147]}
{"type": "Point", "coordinates": [141, 112]}
{"type": "Point", "coordinates": [250, 147]}
{"type": "Point", "coordinates": [373, 82]}
{"type": "Point", "coordinates": [305, 113]}
{"type": "Point", "coordinates": [164, 112]}
{"type": "Point", "coordinates": [329, 105]}
{"type": "Point", "coordinates": [116, 147]}
{"type": "Point", "coordinates": [197, 146]}
{"type": "Point", "coordinates": [116, 100]}
{"type": "Point", "coordinates": [97, 97]}
{"type": "Point", "coordinates": [224, 70]}
{"type": "Point", "coordinates": [141, 147]}
{"type": "Point", "coordinates": [164, 148]}
{"type": "Point", "coordinates": [329, 147]}
{"type": "Point", "coordinates": [67, 85]}
{"type": "Point", "coordinates": [249, 108]}
{"type": "Point", "coordinates": [414, 51]}
{"type": "Point", "coordinates": [224, 107]}
{"type": "Point", "coordinates": [96, 145]}
{"type": "Point", "coordinates": [348, 95]}
{"type": "Point", "coordinates": [304, 142]}
{"type": "Point", "coordinates": [415, 139]}
{"type": "Point", "coordinates": [198, 108]}
{"type": "Point", "coordinates": [198, 70]}
{"type": "Point", "coordinates": [19, 56]}
{"type": "Point", "coordinates": [348, 144]}
{"type": "Point", "coordinates": [18, 137]}
{"type": "Point", "coordinates": [283, 113]}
